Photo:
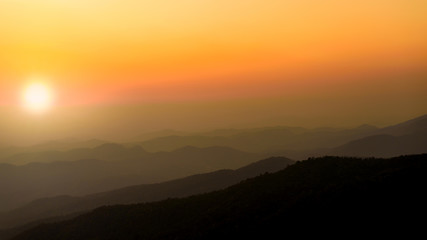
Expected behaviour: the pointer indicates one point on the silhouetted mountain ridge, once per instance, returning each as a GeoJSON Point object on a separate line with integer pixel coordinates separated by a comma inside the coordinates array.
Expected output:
{"type": "Point", "coordinates": [409, 137]}
{"type": "Point", "coordinates": [84, 174]}
{"type": "Point", "coordinates": [384, 146]}
{"type": "Point", "coordinates": [201, 183]}
{"type": "Point", "coordinates": [329, 196]}
{"type": "Point", "coordinates": [413, 126]}
{"type": "Point", "coordinates": [263, 139]}
{"type": "Point", "coordinates": [66, 144]}
{"type": "Point", "coordinates": [105, 151]}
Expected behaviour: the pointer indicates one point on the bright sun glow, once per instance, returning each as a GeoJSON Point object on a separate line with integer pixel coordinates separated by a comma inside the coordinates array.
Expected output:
{"type": "Point", "coordinates": [37, 98]}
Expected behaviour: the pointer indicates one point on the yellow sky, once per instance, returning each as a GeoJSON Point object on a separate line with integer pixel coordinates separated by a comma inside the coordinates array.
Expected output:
{"type": "Point", "coordinates": [102, 52]}
{"type": "Point", "coordinates": [148, 40]}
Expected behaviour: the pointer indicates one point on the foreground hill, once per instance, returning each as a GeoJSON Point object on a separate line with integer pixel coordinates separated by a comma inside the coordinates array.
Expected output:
{"type": "Point", "coordinates": [22, 184]}
{"type": "Point", "coordinates": [327, 196]}
{"type": "Point", "coordinates": [201, 183]}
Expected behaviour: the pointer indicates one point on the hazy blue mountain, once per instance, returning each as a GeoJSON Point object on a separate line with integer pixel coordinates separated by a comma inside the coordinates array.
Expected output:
{"type": "Point", "coordinates": [196, 184]}
{"type": "Point", "coordinates": [21, 184]}
{"type": "Point", "coordinates": [328, 196]}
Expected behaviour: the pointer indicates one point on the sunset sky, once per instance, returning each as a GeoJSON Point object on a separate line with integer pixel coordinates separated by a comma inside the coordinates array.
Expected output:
{"type": "Point", "coordinates": [120, 67]}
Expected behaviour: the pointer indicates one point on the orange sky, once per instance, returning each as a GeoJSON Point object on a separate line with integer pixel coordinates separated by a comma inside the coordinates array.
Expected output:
{"type": "Point", "coordinates": [115, 52]}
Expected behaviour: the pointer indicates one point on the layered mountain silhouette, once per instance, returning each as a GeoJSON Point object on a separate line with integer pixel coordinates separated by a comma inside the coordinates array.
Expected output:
{"type": "Point", "coordinates": [416, 125]}
{"type": "Point", "coordinates": [294, 142]}
{"type": "Point", "coordinates": [65, 205]}
{"type": "Point", "coordinates": [262, 139]}
{"type": "Point", "coordinates": [409, 137]}
{"type": "Point", "coordinates": [39, 181]}
{"type": "Point", "coordinates": [383, 146]}
{"type": "Point", "coordinates": [109, 166]}
{"type": "Point", "coordinates": [50, 146]}
{"type": "Point", "coordinates": [328, 196]}
{"type": "Point", "coordinates": [298, 143]}
{"type": "Point", "coordinates": [104, 151]}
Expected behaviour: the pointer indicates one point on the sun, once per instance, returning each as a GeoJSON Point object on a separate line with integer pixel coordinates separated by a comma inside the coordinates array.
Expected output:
{"type": "Point", "coordinates": [37, 97]}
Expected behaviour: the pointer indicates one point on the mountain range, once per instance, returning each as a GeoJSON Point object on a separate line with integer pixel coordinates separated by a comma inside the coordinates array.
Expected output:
{"type": "Point", "coordinates": [328, 196]}
{"type": "Point", "coordinates": [409, 137]}
{"type": "Point", "coordinates": [294, 142]}
{"type": "Point", "coordinates": [46, 208]}
{"type": "Point", "coordinates": [85, 170]}
{"type": "Point", "coordinates": [107, 167]}
{"type": "Point", "coordinates": [63, 178]}
{"type": "Point", "coordinates": [262, 139]}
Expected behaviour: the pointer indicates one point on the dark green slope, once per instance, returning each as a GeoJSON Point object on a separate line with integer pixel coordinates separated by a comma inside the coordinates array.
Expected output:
{"type": "Point", "coordinates": [326, 196]}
